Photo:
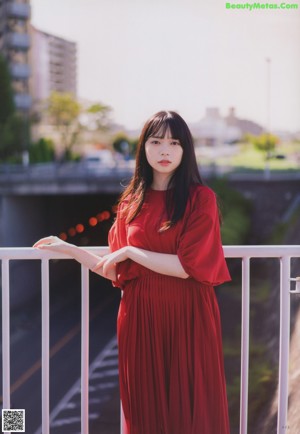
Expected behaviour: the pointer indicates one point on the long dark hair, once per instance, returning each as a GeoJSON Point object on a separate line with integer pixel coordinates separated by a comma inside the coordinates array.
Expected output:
{"type": "Point", "coordinates": [186, 174]}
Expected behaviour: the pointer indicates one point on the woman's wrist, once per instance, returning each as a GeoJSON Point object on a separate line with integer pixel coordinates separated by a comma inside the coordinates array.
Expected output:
{"type": "Point", "coordinates": [70, 249]}
{"type": "Point", "coordinates": [129, 252]}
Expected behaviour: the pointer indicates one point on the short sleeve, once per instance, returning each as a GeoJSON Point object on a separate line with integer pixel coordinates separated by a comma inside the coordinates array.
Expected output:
{"type": "Point", "coordinates": [200, 248]}
{"type": "Point", "coordinates": [117, 238]}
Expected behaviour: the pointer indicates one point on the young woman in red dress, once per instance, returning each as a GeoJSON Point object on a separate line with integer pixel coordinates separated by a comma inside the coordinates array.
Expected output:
{"type": "Point", "coordinates": [166, 256]}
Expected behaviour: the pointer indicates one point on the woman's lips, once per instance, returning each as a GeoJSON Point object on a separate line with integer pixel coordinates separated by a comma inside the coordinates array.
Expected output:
{"type": "Point", "coordinates": [164, 162]}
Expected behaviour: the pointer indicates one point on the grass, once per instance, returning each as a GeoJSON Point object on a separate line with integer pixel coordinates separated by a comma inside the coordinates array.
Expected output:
{"type": "Point", "coordinates": [281, 229]}
{"type": "Point", "coordinates": [252, 158]}
{"type": "Point", "coordinates": [249, 158]}
{"type": "Point", "coordinates": [262, 380]}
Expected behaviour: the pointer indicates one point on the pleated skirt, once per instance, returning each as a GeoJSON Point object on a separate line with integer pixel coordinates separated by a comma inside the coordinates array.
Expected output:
{"type": "Point", "coordinates": [171, 365]}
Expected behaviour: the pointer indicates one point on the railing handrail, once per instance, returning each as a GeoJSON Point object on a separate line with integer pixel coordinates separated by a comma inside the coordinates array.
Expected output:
{"type": "Point", "coordinates": [251, 251]}
{"type": "Point", "coordinates": [284, 253]}
{"type": "Point", "coordinates": [24, 253]}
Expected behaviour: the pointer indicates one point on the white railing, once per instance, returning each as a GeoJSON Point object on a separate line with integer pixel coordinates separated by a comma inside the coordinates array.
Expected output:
{"type": "Point", "coordinates": [284, 253]}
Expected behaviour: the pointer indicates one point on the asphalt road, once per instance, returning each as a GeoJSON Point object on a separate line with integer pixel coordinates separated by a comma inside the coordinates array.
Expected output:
{"type": "Point", "coordinates": [65, 354]}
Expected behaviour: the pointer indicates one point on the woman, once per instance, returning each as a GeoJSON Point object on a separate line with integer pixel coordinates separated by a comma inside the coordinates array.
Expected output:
{"type": "Point", "coordinates": [166, 256]}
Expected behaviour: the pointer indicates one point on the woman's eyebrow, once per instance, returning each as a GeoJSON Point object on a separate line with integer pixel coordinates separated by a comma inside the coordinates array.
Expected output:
{"type": "Point", "coordinates": [161, 138]}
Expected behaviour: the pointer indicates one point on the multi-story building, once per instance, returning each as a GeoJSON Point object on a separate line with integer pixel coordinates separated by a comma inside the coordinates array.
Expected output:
{"type": "Point", "coordinates": [53, 63]}
{"type": "Point", "coordinates": [14, 46]}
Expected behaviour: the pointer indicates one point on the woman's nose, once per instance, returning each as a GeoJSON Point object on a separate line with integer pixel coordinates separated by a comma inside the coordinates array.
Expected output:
{"type": "Point", "coordinates": [164, 150]}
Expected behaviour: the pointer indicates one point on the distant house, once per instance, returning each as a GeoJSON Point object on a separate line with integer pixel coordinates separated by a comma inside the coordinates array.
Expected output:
{"type": "Point", "coordinates": [214, 129]}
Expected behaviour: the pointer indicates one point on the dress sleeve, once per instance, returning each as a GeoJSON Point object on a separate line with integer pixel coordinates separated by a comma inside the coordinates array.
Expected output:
{"type": "Point", "coordinates": [200, 248]}
{"type": "Point", "coordinates": [117, 238]}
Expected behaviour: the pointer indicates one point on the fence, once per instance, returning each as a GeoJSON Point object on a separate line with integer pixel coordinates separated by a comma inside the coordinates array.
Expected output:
{"type": "Point", "coordinates": [245, 253]}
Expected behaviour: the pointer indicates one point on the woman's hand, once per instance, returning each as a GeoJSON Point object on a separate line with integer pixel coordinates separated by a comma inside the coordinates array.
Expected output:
{"type": "Point", "coordinates": [88, 259]}
{"type": "Point", "coordinates": [53, 243]}
{"type": "Point", "coordinates": [107, 264]}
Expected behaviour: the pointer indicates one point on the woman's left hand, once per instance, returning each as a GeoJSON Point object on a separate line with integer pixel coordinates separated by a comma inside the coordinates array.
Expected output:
{"type": "Point", "coordinates": [108, 262]}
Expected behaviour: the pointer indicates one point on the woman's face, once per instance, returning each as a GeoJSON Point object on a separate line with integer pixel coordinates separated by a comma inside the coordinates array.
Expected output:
{"type": "Point", "coordinates": [163, 154]}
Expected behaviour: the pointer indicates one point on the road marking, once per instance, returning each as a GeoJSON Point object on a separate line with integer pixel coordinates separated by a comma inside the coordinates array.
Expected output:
{"type": "Point", "coordinates": [56, 348]}
{"type": "Point", "coordinates": [108, 373]}
{"type": "Point", "coordinates": [67, 402]}
{"type": "Point", "coordinates": [112, 362]}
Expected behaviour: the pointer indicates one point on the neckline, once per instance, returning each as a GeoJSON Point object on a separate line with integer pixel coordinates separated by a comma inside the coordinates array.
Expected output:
{"type": "Point", "coordinates": [157, 191]}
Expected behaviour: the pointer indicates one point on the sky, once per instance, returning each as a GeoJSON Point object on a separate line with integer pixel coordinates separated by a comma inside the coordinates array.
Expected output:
{"type": "Point", "coordinates": [142, 56]}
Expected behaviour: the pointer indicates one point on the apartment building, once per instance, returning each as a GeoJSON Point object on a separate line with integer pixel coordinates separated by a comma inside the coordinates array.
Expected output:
{"type": "Point", "coordinates": [15, 45]}
{"type": "Point", "coordinates": [53, 63]}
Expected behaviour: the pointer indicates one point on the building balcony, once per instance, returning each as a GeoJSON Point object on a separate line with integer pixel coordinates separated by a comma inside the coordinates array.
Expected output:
{"type": "Point", "coordinates": [19, 41]}
{"type": "Point", "coordinates": [19, 71]}
{"type": "Point", "coordinates": [18, 10]}
{"type": "Point", "coordinates": [23, 101]}
{"type": "Point", "coordinates": [244, 253]}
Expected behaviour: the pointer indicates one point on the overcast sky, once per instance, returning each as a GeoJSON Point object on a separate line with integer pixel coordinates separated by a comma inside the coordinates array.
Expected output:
{"type": "Point", "coordinates": [141, 56]}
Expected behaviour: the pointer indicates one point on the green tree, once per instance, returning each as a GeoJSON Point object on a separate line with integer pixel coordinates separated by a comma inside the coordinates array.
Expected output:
{"type": "Point", "coordinates": [64, 111]}
{"type": "Point", "coordinates": [71, 119]}
{"type": "Point", "coordinates": [98, 117]}
{"type": "Point", "coordinates": [7, 106]}
{"type": "Point", "coordinates": [265, 143]}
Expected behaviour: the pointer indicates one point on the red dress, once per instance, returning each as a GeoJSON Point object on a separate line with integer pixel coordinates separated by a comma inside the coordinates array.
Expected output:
{"type": "Point", "coordinates": [170, 349]}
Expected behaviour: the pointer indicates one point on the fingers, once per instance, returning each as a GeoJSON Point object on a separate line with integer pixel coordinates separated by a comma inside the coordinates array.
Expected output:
{"type": "Point", "coordinates": [97, 267]}
{"type": "Point", "coordinates": [47, 241]}
{"type": "Point", "coordinates": [42, 241]}
{"type": "Point", "coordinates": [107, 268]}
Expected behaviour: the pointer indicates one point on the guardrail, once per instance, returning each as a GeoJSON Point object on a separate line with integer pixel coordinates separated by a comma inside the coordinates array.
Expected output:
{"type": "Point", "coordinates": [64, 169]}
{"type": "Point", "coordinates": [83, 169]}
{"type": "Point", "coordinates": [245, 253]}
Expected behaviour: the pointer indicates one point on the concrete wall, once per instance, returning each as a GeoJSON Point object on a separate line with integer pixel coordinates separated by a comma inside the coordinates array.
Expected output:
{"type": "Point", "coordinates": [25, 219]}
{"type": "Point", "coordinates": [22, 221]}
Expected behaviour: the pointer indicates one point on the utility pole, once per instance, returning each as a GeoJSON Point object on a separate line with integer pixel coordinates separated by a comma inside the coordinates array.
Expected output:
{"type": "Point", "coordinates": [267, 167]}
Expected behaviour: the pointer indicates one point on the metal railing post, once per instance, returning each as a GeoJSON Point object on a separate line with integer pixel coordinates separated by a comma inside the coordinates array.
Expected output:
{"type": "Point", "coordinates": [45, 348]}
{"type": "Point", "coordinates": [5, 334]}
{"type": "Point", "coordinates": [245, 345]}
{"type": "Point", "coordinates": [284, 345]}
{"type": "Point", "coordinates": [84, 350]}
{"type": "Point", "coordinates": [123, 429]}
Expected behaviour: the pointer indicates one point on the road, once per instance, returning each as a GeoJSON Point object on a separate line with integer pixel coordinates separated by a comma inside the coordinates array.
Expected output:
{"type": "Point", "coordinates": [65, 356]}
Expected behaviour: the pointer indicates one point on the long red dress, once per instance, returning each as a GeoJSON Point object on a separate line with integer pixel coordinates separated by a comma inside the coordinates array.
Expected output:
{"type": "Point", "coordinates": [170, 349]}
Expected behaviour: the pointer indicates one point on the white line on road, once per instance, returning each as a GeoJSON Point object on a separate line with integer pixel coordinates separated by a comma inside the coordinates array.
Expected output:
{"type": "Point", "coordinates": [99, 362]}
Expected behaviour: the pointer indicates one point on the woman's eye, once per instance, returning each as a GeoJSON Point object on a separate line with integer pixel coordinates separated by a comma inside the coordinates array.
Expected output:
{"type": "Point", "coordinates": [175, 143]}
{"type": "Point", "coordinates": [155, 142]}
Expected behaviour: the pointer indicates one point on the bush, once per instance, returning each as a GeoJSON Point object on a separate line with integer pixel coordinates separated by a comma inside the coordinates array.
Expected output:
{"type": "Point", "coordinates": [14, 137]}
{"type": "Point", "coordinates": [235, 210]}
{"type": "Point", "coordinates": [124, 145]}
{"type": "Point", "coordinates": [42, 151]}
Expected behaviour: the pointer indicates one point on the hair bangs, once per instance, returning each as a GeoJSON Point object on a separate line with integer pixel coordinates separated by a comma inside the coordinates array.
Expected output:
{"type": "Point", "coordinates": [160, 125]}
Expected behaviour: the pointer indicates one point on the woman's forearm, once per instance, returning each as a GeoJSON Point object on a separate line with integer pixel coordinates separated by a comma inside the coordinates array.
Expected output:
{"type": "Point", "coordinates": [162, 263]}
{"type": "Point", "coordinates": [84, 257]}
{"type": "Point", "coordinates": [89, 259]}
